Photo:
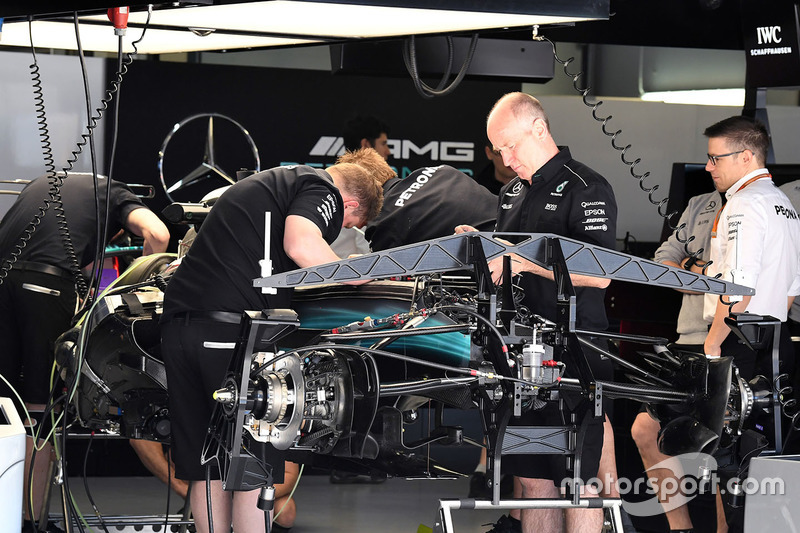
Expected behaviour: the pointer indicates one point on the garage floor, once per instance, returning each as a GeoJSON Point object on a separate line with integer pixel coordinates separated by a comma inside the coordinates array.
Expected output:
{"type": "Point", "coordinates": [395, 506]}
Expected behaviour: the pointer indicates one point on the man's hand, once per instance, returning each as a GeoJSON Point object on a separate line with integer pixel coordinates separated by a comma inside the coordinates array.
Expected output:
{"type": "Point", "coordinates": [464, 228]}
{"type": "Point", "coordinates": [496, 268]}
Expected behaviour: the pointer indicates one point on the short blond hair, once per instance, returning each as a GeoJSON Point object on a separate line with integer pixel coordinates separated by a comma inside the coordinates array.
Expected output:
{"type": "Point", "coordinates": [371, 161]}
{"type": "Point", "coordinates": [355, 181]}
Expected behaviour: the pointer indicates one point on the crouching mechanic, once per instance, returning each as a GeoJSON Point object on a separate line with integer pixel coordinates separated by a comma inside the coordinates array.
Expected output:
{"type": "Point", "coordinates": [430, 203]}
{"type": "Point", "coordinates": [206, 296]}
{"type": "Point", "coordinates": [38, 295]}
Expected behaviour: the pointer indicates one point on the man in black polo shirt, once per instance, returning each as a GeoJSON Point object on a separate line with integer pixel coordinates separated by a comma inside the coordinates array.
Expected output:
{"type": "Point", "coordinates": [552, 193]}
{"type": "Point", "coordinates": [306, 209]}
{"type": "Point", "coordinates": [38, 287]}
{"type": "Point", "coordinates": [430, 203]}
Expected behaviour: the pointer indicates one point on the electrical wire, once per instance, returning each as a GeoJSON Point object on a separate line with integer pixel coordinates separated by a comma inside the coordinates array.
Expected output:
{"type": "Point", "coordinates": [426, 91]}
{"type": "Point", "coordinates": [291, 493]}
{"type": "Point", "coordinates": [73, 509]}
{"type": "Point", "coordinates": [86, 483]}
{"type": "Point", "coordinates": [661, 205]}
{"type": "Point", "coordinates": [55, 181]}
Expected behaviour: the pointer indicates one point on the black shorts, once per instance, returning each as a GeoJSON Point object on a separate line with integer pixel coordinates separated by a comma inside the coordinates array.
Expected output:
{"type": "Point", "coordinates": [194, 372]}
{"type": "Point", "coordinates": [35, 308]}
{"type": "Point", "coordinates": [554, 467]}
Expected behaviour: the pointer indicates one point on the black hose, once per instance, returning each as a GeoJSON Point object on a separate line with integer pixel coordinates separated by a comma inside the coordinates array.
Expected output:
{"type": "Point", "coordinates": [410, 59]}
{"type": "Point", "coordinates": [86, 483]}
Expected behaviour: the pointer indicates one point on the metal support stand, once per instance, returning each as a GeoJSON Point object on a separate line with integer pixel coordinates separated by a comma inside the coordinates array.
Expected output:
{"type": "Point", "coordinates": [444, 521]}
{"type": "Point", "coordinates": [747, 327]}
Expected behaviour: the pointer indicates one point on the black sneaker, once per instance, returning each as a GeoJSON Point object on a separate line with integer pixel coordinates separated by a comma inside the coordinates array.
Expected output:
{"type": "Point", "coordinates": [505, 524]}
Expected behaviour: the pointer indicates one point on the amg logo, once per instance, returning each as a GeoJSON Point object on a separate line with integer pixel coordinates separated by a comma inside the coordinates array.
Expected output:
{"type": "Point", "coordinates": [768, 34]}
{"type": "Point", "coordinates": [330, 146]}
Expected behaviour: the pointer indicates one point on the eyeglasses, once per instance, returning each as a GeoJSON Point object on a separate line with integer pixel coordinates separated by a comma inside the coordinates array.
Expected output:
{"type": "Point", "coordinates": [713, 158]}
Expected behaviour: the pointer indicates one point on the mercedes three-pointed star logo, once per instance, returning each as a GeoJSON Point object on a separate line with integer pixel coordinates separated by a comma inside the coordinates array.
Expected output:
{"type": "Point", "coordinates": [208, 168]}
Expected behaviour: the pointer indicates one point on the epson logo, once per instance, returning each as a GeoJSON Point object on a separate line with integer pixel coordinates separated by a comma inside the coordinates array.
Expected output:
{"type": "Point", "coordinates": [457, 151]}
{"type": "Point", "coordinates": [768, 34]}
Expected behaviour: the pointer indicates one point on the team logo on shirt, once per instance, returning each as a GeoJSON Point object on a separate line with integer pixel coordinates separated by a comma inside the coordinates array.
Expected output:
{"type": "Point", "coordinates": [327, 209]}
{"type": "Point", "coordinates": [559, 189]}
{"type": "Point", "coordinates": [711, 206]}
{"type": "Point", "coordinates": [420, 180]}
{"type": "Point", "coordinates": [515, 190]}
{"type": "Point", "coordinates": [785, 211]}
{"type": "Point", "coordinates": [603, 227]}
{"type": "Point", "coordinates": [550, 207]}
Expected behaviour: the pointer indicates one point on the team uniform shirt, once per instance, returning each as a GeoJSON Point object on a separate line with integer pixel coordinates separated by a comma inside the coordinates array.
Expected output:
{"type": "Point", "coordinates": [792, 191]}
{"type": "Point", "coordinates": [217, 273]}
{"type": "Point", "coordinates": [757, 244]}
{"type": "Point", "coordinates": [77, 195]}
{"type": "Point", "coordinates": [430, 203]}
{"type": "Point", "coordinates": [698, 217]}
{"type": "Point", "coordinates": [36, 307]}
{"type": "Point", "coordinates": [566, 198]}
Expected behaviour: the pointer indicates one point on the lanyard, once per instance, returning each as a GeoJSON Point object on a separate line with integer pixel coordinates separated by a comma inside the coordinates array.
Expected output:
{"type": "Point", "coordinates": [719, 212]}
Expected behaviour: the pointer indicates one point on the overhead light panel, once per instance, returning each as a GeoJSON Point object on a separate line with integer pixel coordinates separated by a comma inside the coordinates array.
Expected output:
{"type": "Point", "coordinates": [720, 97]}
{"type": "Point", "coordinates": [285, 22]}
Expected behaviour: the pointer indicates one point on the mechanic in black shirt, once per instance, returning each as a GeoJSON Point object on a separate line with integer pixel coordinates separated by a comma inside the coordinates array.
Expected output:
{"type": "Point", "coordinates": [213, 285]}
{"type": "Point", "coordinates": [38, 295]}
{"type": "Point", "coordinates": [430, 203]}
{"type": "Point", "coordinates": [553, 193]}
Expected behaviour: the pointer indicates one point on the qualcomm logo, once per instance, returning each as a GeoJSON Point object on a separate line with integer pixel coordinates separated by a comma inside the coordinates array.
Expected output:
{"type": "Point", "coordinates": [330, 146]}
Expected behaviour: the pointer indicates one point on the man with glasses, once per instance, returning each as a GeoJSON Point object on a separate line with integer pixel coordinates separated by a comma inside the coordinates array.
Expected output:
{"type": "Point", "coordinates": [755, 241]}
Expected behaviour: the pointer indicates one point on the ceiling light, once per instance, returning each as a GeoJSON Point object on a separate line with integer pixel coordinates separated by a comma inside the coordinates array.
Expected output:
{"type": "Point", "coordinates": [276, 23]}
{"type": "Point", "coordinates": [720, 97]}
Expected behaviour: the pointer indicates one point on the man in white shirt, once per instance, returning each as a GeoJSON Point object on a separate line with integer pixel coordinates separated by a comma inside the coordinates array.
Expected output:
{"type": "Point", "coordinates": [754, 242]}
{"type": "Point", "coordinates": [756, 239]}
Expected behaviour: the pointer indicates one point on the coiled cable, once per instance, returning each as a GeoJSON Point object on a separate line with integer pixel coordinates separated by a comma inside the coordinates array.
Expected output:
{"type": "Point", "coordinates": [55, 181]}
{"type": "Point", "coordinates": [661, 204]}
